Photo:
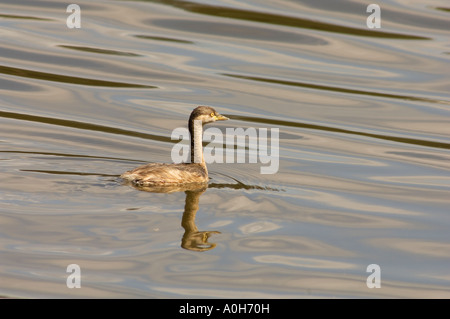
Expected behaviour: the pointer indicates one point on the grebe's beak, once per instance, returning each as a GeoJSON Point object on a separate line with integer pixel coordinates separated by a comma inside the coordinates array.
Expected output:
{"type": "Point", "coordinates": [219, 117]}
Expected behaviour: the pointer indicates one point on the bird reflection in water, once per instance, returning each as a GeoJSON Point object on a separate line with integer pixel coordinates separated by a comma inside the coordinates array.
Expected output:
{"type": "Point", "coordinates": [193, 239]}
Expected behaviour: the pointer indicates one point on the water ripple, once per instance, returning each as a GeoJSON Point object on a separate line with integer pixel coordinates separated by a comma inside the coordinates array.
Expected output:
{"type": "Point", "coordinates": [68, 79]}
{"type": "Point", "coordinates": [398, 139]}
{"type": "Point", "coordinates": [334, 89]}
{"type": "Point", "coordinates": [250, 15]}
{"type": "Point", "coordinates": [99, 51]}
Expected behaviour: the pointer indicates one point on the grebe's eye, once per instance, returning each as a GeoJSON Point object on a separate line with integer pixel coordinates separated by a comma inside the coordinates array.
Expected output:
{"type": "Point", "coordinates": [212, 114]}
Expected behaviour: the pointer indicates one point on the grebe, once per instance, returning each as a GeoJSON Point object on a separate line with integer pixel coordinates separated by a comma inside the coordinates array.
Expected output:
{"type": "Point", "coordinates": [156, 174]}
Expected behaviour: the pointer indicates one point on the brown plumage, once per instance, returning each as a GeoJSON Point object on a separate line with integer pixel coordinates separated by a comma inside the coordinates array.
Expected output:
{"type": "Point", "coordinates": [156, 174]}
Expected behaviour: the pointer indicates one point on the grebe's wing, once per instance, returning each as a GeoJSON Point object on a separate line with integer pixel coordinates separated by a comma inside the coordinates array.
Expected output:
{"type": "Point", "coordinates": [166, 174]}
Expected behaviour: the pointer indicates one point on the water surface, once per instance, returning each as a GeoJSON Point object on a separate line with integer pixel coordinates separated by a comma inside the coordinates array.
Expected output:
{"type": "Point", "coordinates": [364, 172]}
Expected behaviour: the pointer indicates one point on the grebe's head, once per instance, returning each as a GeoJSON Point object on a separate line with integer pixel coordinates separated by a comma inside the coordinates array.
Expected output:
{"type": "Point", "coordinates": [206, 114]}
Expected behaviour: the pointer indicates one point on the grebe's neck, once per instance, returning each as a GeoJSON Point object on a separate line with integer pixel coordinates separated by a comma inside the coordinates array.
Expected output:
{"type": "Point", "coordinates": [196, 130]}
